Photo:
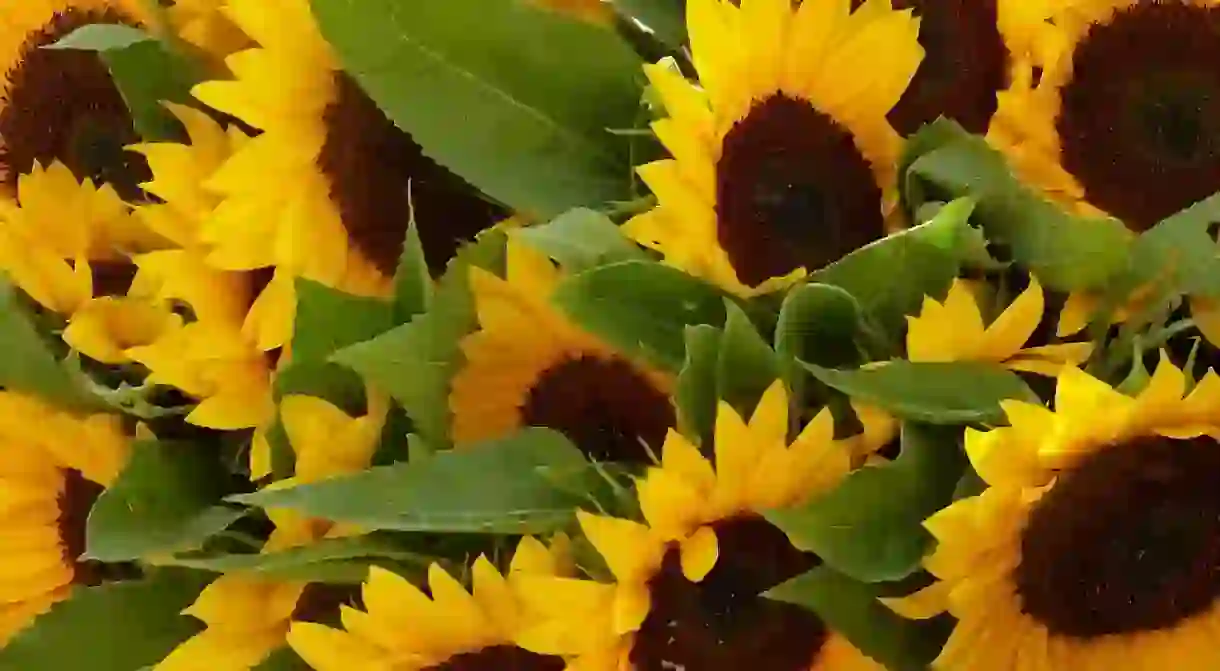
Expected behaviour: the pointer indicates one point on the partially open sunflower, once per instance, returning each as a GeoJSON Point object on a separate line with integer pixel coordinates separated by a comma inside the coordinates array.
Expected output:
{"type": "Point", "coordinates": [688, 582]}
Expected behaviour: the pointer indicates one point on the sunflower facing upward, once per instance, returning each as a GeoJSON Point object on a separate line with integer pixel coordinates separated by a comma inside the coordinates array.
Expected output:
{"type": "Point", "coordinates": [689, 580]}
{"type": "Point", "coordinates": [53, 466]}
{"type": "Point", "coordinates": [528, 365]}
{"type": "Point", "coordinates": [327, 189]}
{"type": "Point", "coordinates": [783, 159]}
{"type": "Point", "coordinates": [1094, 544]}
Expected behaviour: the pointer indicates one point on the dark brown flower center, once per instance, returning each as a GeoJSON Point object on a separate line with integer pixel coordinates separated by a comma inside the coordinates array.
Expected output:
{"type": "Point", "coordinates": [1140, 119]}
{"type": "Point", "coordinates": [501, 658]}
{"type": "Point", "coordinates": [76, 499]}
{"type": "Point", "coordinates": [62, 104]}
{"type": "Point", "coordinates": [721, 623]}
{"type": "Point", "coordinates": [112, 278]}
{"type": "Point", "coordinates": [610, 410]}
{"type": "Point", "coordinates": [377, 173]}
{"type": "Point", "coordinates": [319, 602]}
{"type": "Point", "coordinates": [964, 66]}
{"type": "Point", "coordinates": [1127, 541]}
{"type": "Point", "coordinates": [792, 191]}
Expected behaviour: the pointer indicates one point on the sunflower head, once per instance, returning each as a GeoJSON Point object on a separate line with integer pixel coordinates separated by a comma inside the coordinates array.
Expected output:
{"type": "Point", "coordinates": [61, 104]}
{"type": "Point", "coordinates": [53, 468]}
{"type": "Point", "coordinates": [688, 581]}
{"type": "Point", "coordinates": [61, 240]}
{"type": "Point", "coordinates": [1105, 130]}
{"type": "Point", "coordinates": [447, 628]}
{"type": "Point", "coordinates": [528, 365]}
{"type": "Point", "coordinates": [1094, 542]}
{"type": "Point", "coordinates": [783, 160]}
{"type": "Point", "coordinates": [179, 172]}
{"type": "Point", "coordinates": [327, 190]}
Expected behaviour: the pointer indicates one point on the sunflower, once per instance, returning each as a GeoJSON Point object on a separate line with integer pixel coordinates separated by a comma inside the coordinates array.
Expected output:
{"type": "Point", "coordinates": [61, 105]}
{"type": "Point", "coordinates": [1105, 131]}
{"type": "Point", "coordinates": [247, 617]}
{"type": "Point", "coordinates": [53, 468]}
{"type": "Point", "coordinates": [1094, 544]}
{"type": "Point", "coordinates": [688, 582]}
{"type": "Point", "coordinates": [783, 160]}
{"type": "Point", "coordinates": [530, 366]}
{"type": "Point", "coordinates": [60, 240]}
{"type": "Point", "coordinates": [326, 190]}
{"type": "Point", "coordinates": [401, 628]}
{"type": "Point", "coordinates": [953, 330]}
{"type": "Point", "coordinates": [181, 318]}
{"type": "Point", "coordinates": [974, 48]}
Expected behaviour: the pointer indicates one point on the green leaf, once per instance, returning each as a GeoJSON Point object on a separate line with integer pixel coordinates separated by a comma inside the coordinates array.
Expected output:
{"type": "Point", "coordinates": [412, 280]}
{"type": "Point", "coordinates": [101, 37]}
{"type": "Point", "coordinates": [871, 527]}
{"type": "Point", "coordinates": [500, 486]}
{"type": "Point", "coordinates": [851, 609]}
{"type": "Point", "coordinates": [29, 366]}
{"type": "Point", "coordinates": [1180, 250]}
{"type": "Point", "coordinates": [641, 308]}
{"type": "Point", "coordinates": [166, 499]}
{"type": "Point", "coordinates": [333, 560]}
{"type": "Point", "coordinates": [328, 320]}
{"type": "Point", "coordinates": [579, 239]}
{"type": "Point", "coordinates": [695, 392]}
{"type": "Point", "coordinates": [534, 92]}
{"type": "Point", "coordinates": [819, 323]}
{"type": "Point", "coordinates": [890, 277]}
{"type": "Point", "coordinates": [415, 362]}
{"type": "Point", "coordinates": [942, 162]}
{"type": "Point", "coordinates": [666, 18]}
{"type": "Point", "coordinates": [746, 365]}
{"type": "Point", "coordinates": [145, 71]}
{"type": "Point", "coordinates": [115, 627]}
{"type": "Point", "coordinates": [954, 392]}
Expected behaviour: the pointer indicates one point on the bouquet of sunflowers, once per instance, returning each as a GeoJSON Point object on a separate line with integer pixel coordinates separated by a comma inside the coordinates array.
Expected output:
{"type": "Point", "coordinates": [630, 335]}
